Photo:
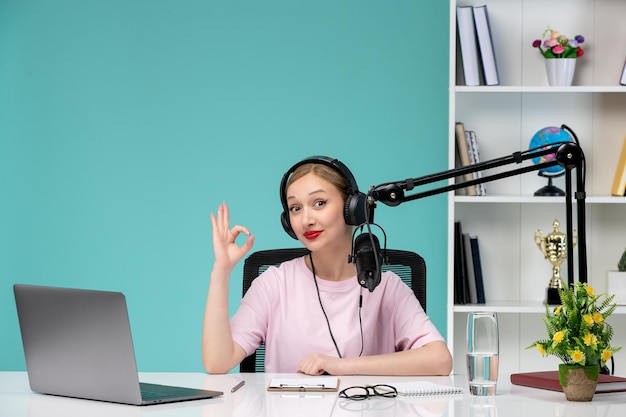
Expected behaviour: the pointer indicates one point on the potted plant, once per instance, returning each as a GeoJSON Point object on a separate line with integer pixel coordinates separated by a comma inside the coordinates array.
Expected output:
{"type": "Point", "coordinates": [580, 337]}
{"type": "Point", "coordinates": [561, 53]}
{"type": "Point", "coordinates": [616, 280]}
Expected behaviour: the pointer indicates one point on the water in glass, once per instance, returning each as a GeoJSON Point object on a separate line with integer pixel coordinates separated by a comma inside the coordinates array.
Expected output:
{"type": "Point", "coordinates": [482, 352]}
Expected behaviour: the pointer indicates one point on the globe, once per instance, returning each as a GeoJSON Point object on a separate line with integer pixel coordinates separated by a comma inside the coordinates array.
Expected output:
{"type": "Point", "coordinates": [544, 138]}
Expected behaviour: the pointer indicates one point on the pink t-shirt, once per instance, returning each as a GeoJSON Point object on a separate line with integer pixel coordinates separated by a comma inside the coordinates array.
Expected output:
{"type": "Point", "coordinates": [282, 310]}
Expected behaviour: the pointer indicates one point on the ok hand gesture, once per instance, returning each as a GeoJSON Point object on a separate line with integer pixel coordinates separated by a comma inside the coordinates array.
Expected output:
{"type": "Point", "coordinates": [227, 253]}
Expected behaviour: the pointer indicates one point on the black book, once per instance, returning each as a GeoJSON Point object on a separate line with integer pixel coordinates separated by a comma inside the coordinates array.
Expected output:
{"type": "Point", "coordinates": [469, 269]}
{"type": "Point", "coordinates": [478, 270]}
{"type": "Point", "coordinates": [460, 282]}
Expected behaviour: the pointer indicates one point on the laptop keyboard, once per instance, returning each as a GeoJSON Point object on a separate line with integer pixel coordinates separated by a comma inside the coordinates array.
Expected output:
{"type": "Point", "coordinates": [155, 395]}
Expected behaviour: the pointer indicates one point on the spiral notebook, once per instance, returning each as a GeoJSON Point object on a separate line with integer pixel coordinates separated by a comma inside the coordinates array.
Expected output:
{"type": "Point", "coordinates": [424, 388]}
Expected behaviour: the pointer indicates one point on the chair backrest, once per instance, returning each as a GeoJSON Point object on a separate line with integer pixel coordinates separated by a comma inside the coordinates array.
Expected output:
{"type": "Point", "coordinates": [409, 266]}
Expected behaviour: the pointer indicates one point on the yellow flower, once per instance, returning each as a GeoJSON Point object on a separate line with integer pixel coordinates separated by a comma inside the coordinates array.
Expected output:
{"type": "Point", "coordinates": [606, 355]}
{"type": "Point", "coordinates": [590, 291]}
{"type": "Point", "coordinates": [558, 337]}
{"type": "Point", "coordinates": [543, 351]}
{"type": "Point", "coordinates": [588, 319]}
{"type": "Point", "coordinates": [590, 339]}
{"type": "Point", "coordinates": [557, 310]}
{"type": "Point", "coordinates": [578, 356]}
{"type": "Point", "coordinates": [597, 317]}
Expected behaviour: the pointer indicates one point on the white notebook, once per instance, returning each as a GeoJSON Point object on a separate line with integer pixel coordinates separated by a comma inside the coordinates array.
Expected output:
{"type": "Point", "coordinates": [424, 388]}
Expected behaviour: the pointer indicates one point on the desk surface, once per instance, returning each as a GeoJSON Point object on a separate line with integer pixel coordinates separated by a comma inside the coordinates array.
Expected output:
{"type": "Point", "coordinates": [253, 400]}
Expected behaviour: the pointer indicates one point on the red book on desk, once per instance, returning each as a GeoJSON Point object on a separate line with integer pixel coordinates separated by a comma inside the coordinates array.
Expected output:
{"type": "Point", "coordinates": [550, 380]}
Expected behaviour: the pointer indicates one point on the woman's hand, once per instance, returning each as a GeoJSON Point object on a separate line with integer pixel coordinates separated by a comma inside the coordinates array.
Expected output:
{"type": "Point", "coordinates": [431, 359]}
{"type": "Point", "coordinates": [220, 353]}
{"type": "Point", "coordinates": [318, 364]}
{"type": "Point", "coordinates": [226, 252]}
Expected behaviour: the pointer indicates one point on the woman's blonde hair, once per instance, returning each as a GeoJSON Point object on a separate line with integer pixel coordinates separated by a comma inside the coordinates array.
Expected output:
{"type": "Point", "coordinates": [325, 172]}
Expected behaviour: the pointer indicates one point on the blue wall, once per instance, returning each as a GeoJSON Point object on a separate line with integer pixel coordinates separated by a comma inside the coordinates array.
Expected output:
{"type": "Point", "coordinates": [124, 123]}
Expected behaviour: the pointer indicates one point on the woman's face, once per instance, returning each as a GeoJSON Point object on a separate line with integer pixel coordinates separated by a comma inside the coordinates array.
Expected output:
{"type": "Point", "coordinates": [316, 212]}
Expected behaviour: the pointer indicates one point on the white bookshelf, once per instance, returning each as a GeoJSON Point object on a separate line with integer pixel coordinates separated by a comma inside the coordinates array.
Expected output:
{"type": "Point", "coordinates": [505, 118]}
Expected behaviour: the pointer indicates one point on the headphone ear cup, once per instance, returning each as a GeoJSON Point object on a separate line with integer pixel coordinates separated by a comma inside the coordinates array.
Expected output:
{"type": "Point", "coordinates": [284, 220]}
{"type": "Point", "coordinates": [354, 209]}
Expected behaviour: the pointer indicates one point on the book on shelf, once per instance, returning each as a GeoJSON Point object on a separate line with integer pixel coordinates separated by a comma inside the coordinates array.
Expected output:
{"type": "Point", "coordinates": [469, 268]}
{"type": "Point", "coordinates": [549, 380]}
{"type": "Point", "coordinates": [619, 180]}
{"type": "Point", "coordinates": [622, 80]}
{"type": "Point", "coordinates": [474, 154]}
{"type": "Point", "coordinates": [464, 156]}
{"type": "Point", "coordinates": [468, 45]}
{"type": "Point", "coordinates": [478, 270]}
{"type": "Point", "coordinates": [485, 45]}
{"type": "Point", "coordinates": [459, 178]}
{"type": "Point", "coordinates": [468, 274]}
{"type": "Point", "coordinates": [460, 287]}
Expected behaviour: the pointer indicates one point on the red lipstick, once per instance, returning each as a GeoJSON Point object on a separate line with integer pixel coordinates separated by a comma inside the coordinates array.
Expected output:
{"type": "Point", "coordinates": [312, 234]}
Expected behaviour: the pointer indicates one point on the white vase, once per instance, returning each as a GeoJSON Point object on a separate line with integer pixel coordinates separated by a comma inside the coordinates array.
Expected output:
{"type": "Point", "coordinates": [560, 71]}
{"type": "Point", "coordinates": [616, 284]}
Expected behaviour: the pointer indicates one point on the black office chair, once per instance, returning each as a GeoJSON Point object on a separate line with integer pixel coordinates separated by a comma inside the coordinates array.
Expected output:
{"type": "Point", "coordinates": [409, 266]}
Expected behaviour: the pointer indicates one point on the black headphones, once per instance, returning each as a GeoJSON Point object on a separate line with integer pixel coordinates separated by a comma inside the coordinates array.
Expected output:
{"type": "Point", "coordinates": [356, 211]}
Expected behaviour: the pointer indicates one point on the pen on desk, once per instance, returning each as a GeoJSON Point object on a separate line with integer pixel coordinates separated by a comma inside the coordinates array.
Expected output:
{"type": "Point", "coordinates": [239, 385]}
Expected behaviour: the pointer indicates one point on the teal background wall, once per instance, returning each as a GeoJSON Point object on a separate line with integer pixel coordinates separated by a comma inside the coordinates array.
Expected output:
{"type": "Point", "coordinates": [124, 123]}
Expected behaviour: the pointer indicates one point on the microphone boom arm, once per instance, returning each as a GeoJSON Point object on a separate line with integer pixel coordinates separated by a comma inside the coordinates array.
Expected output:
{"type": "Point", "coordinates": [569, 155]}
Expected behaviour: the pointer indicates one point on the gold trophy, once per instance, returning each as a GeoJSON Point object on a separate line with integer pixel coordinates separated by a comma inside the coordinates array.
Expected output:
{"type": "Point", "coordinates": [554, 248]}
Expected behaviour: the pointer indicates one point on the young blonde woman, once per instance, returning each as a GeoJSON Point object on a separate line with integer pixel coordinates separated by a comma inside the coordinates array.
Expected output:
{"type": "Point", "coordinates": [311, 313]}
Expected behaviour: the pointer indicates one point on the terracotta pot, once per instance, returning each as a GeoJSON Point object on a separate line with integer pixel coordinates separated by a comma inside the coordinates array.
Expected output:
{"type": "Point", "coordinates": [578, 382]}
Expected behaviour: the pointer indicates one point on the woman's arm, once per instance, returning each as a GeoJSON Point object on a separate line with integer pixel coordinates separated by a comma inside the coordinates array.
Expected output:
{"type": "Point", "coordinates": [431, 359]}
{"type": "Point", "coordinates": [410, 325]}
{"type": "Point", "coordinates": [219, 352]}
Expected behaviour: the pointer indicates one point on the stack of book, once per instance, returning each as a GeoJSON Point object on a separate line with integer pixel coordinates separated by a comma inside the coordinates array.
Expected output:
{"type": "Point", "coordinates": [468, 274]}
{"type": "Point", "coordinates": [476, 46]}
{"type": "Point", "coordinates": [467, 153]}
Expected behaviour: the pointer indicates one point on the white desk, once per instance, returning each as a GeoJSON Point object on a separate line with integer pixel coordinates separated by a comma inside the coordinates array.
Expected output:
{"type": "Point", "coordinates": [17, 400]}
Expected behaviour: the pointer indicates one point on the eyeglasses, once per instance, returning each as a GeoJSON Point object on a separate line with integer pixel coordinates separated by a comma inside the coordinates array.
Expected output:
{"type": "Point", "coordinates": [363, 393]}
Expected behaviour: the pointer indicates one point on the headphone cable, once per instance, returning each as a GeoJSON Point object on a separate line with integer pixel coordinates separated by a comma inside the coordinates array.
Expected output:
{"type": "Point", "coordinates": [319, 297]}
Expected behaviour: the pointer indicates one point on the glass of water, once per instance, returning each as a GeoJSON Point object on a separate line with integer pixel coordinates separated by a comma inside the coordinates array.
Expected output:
{"type": "Point", "coordinates": [482, 352]}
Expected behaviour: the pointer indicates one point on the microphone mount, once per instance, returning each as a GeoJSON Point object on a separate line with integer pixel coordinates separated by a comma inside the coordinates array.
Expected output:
{"type": "Point", "coordinates": [569, 155]}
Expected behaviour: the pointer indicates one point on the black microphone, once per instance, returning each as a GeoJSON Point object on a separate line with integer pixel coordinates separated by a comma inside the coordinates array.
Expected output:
{"type": "Point", "coordinates": [368, 259]}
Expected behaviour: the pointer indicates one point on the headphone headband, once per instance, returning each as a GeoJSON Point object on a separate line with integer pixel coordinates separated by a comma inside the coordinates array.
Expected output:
{"type": "Point", "coordinates": [336, 164]}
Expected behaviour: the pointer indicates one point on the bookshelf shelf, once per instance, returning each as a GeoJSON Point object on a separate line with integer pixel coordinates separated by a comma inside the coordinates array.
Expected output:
{"type": "Point", "coordinates": [505, 199]}
{"type": "Point", "coordinates": [515, 307]}
{"type": "Point", "coordinates": [541, 89]}
{"type": "Point", "coordinates": [505, 117]}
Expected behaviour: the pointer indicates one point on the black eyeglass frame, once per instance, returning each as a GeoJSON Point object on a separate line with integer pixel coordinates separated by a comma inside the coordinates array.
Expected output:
{"type": "Point", "coordinates": [370, 391]}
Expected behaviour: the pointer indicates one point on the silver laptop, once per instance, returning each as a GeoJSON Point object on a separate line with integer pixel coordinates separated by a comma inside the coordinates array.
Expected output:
{"type": "Point", "coordinates": [77, 343]}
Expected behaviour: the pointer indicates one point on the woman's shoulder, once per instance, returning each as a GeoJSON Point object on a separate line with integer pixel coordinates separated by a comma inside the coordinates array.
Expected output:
{"type": "Point", "coordinates": [391, 278]}
{"type": "Point", "coordinates": [394, 285]}
{"type": "Point", "coordinates": [277, 273]}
